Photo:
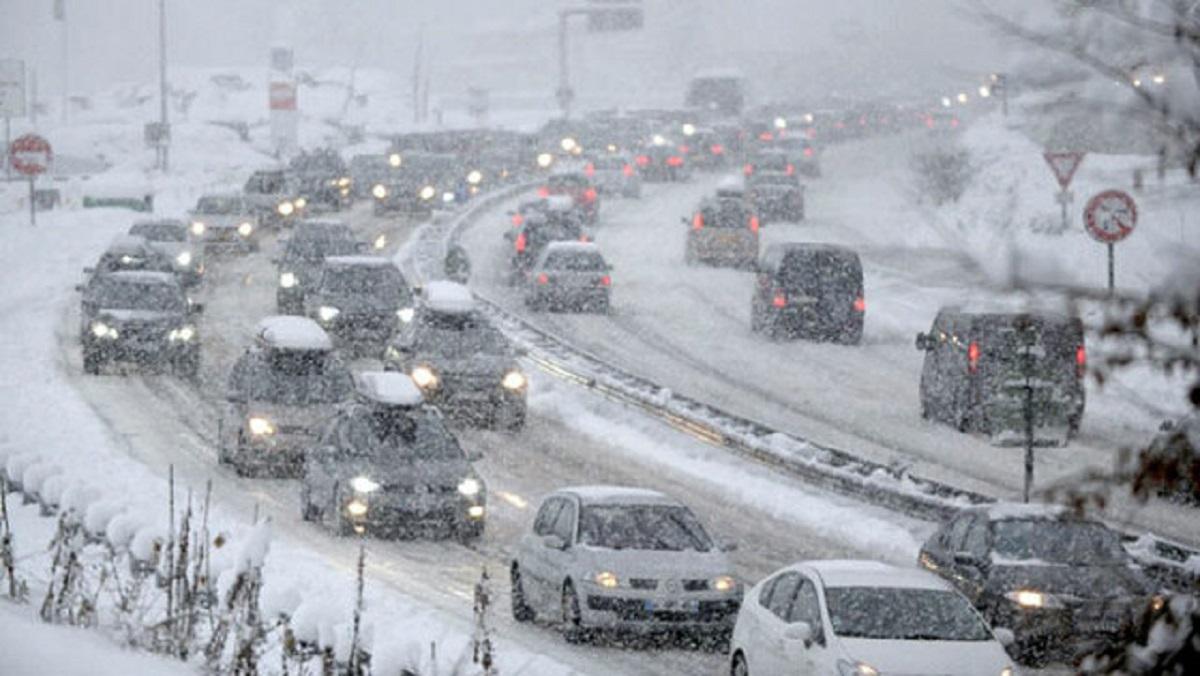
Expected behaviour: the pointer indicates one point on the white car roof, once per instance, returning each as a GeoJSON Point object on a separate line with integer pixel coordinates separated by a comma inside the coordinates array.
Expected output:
{"type": "Point", "coordinates": [292, 333]}
{"type": "Point", "coordinates": [143, 277]}
{"type": "Point", "coordinates": [1002, 511]}
{"type": "Point", "coordinates": [391, 389]}
{"type": "Point", "coordinates": [573, 247]}
{"type": "Point", "coordinates": [368, 261]}
{"type": "Point", "coordinates": [618, 495]}
{"type": "Point", "coordinates": [560, 203]}
{"type": "Point", "coordinates": [855, 573]}
{"type": "Point", "coordinates": [448, 297]}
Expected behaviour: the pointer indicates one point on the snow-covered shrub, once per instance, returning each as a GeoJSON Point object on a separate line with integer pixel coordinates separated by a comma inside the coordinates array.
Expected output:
{"type": "Point", "coordinates": [941, 171]}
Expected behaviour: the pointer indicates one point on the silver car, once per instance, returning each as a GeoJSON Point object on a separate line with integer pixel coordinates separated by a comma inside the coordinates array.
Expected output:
{"type": "Point", "coordinates": [605, 557]}
{"type": "Point", "coordinates": [281, 393]}
{"type": "Point", "coordinates": [224, 223]}
{"type": "Point", "coordinates": [570, 276]}
{"type": "Point", "coordinates": [614, 174]}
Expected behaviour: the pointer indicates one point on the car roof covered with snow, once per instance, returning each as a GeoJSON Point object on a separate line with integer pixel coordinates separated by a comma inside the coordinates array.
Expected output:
{"type": "Point", "coordinates": [617, 495]}
{"type": "Point", "coordinates": [125, 243]}
{"type": "Point", "coordinates": [389, 388]}
{"type": "Point", "coordinates": [573, 248]}
{"type": "Point", "coordinates": [359, 261]}
{"type": "Point", "coordinates": [856, 573]}
{"type": "Point", "coordinates": [448, 297]}
{"type": "Point", "coordinates": [142, 277]}
{"type": "Point", "coordinates": [1012, 511]}
{"type": "Point", "coordinates": [292, 333]}
{"type": "Point", "coordinates": [559, 203]}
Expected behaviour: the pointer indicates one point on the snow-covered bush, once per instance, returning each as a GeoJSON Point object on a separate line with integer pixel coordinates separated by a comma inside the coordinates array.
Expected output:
{"type": "Point", "coordinates": [942, 171]}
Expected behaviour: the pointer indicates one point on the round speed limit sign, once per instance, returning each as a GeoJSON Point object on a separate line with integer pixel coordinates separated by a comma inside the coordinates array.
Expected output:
{"type": "Point", "coordinates": [1110, 216]}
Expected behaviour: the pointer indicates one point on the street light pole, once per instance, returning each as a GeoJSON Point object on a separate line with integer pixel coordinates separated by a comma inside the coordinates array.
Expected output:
{"type": "Point", "coordinates": [162, 84]}
{"type": "Point", "coordinates": [564, 93]}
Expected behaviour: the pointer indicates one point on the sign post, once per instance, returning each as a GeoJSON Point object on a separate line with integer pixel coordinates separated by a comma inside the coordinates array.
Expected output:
{"type": "Point", "coordinates": [1064, 165]}
{"type": "Point", "coordinates": [30, 155]}
{"type": "Point", "coordinates": [12, 99]}
{"type": "Point", "coordinates": [1110, 217]}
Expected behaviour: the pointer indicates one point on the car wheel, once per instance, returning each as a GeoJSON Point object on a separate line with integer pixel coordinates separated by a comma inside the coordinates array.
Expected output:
{"type": "Point", "coordinates": [739, 667]}
{"type": "Point", "coordinates": [851, 335]}
{"type": "Point", "coordinates": [520, 607]}
{"type": "Point", "coordinates": [572, 619]}
{"type": "Point", "coordinates": [91, 363]}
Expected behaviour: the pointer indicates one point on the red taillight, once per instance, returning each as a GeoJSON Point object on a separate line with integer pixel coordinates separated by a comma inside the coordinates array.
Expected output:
{"type": "Point", "coordinates": [642, 160]}
{"type": "Point", "coordinates": [543, 278]}
{"type": "Point", "coordinates": [590, 170]}
{"type": "Point", "coordinates": [973, 357]}
{"type": "Point", "coordinates": [811, 133]}
{"type": "Point", "coordinates": [748, 169]}
{"type": "Point", "coordinates": [780, 300]}
{"type": "Point", "coordinates": [544, 192]}
{"type": "Point", "coordinates": [674, 161]}
{"type": "Point", "coordinates": [584, 239]}
{"type": "Point", "coordinates": [954, 123]}
{"type": "Point", "coordinates": [862, 121]}
{"type": "Point", "coordinates": [517, 220]}
{"type": "Point", "coordinates": [589, 195]}
{"type": "Point", "coordinates": [627, 170]}
{"type": "Point", "coordinates": [791, 169]}
{"type": "Point", "coordinates": [717, 149]}
{"type": "Point", "coordinates": [1080, 361]}
{"type": "Point", "coordinates": [929, 121]}
{"type": "Point", "coordinates": [606, 281]}
{"type": "Point", "coordinates": [521, 243]}
{"type": "Point", "coordinates": [685, 149]}
{"type": "Point", "coordinates": [766, 136]}
{"type": "Point", "coordinates": [754, 224]}
{"type": "Point", "coordinates": [808, 152]}
{"type": "Point", "coordinates": [698, 221]}
{"type": "Point", "coordinates": [839, 124]}
{"type": "Point", "coordinates": [860, 304]}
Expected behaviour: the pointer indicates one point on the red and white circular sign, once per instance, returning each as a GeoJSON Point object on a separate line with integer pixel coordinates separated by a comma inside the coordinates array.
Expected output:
{"type": "Point", "coordinates": [30, 155]}
{"type": "Point", "coordinates": [1110, 216]}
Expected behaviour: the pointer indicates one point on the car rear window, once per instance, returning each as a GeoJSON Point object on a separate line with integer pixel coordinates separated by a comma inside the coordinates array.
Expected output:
{"type": "Point", "coordinates": [814, 271]}
{"type": "Point", "coordinates": [1050, 342]}
{"type": "Point", "coordinates": [727, 214]}
{"type": "Point", "coordinates": [575, 261]}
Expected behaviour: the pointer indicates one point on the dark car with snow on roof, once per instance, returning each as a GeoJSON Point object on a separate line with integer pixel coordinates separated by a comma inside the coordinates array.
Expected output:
{"type": "Point", "coordinates": [273, 196]}
{"type": "Point", "coordinates": [662, 162]}
{"type": "Point", "coordinates": [570, 276]}
{"type": "Point", "coordinates": [808, 290]}
{"type": "Point", "coordinates": [387, 464]}
{"type": "Point", "coordinates": [578, 186]}
{"type": "Point", "coordinates": [722, 230]}
{"type": "Point", "coordinates": [617, 558]}
{"type": "Point", "coordinates": [225, 223]}
{"type": "Point", "coordinates": [169, 237]}
{"type": "Point", "coordinates": [776, 196]}
{"type": "Point", "coordinates": [303, 255]}
{"type": "Point", "coordinates": [461, 362]}
{"type": "Point", "coordinates": [987, 368]}
{"type": "Point", "coordinates": [556, 221]}
{"type": "Point", "coordinates": [129, 253]}
{"type": "Point", "coordinates": [361, 301]}
{"type": "Point", "coordinates": [280, 394]}
{"type": "Point", "coordinates": [1062, 584]}
{"type": "Point", "coordinates": [138, 317]}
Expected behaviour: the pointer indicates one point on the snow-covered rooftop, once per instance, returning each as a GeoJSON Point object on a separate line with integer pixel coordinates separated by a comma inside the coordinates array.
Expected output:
{"type": "Point", "coordinates": [855, 573]}
{"type": "Point", "coordinates": [390, 389]}
{"type": "Point", "coordinates": [292, 333]}
{"type": "Point", "coordinates": [592, 495]}
{"type": "Point", "coordinates": [448, 297]}
{"type": "Point", "coordinates": [372, 261]}
{"type": "Point", "coordinates": [1001, 511]}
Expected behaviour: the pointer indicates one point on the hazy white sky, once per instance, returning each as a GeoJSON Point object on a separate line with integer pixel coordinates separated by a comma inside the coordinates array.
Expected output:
{"type": "Point", "coordinates": [805, 45]}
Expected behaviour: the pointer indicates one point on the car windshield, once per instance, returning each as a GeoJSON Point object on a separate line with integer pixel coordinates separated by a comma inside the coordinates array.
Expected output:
{"type": "Point", "coordinates": [650, 527]}
{"type": "Point", "coordinates": [1061, 542]}
{"type": "Point", "coordinates": [126, 295]}
{"type": "Point", "coordinates": [727, 213]}
{"type": "Point", "coordinates": [575, 261]}
{"type": "Point", "coordinates": [395, 432]}
{"type": "Point", "coordinates": [331, 243]}
{"type": "Point", "coordinates": [817, 272]}
{"type": "Point", "coordinates": [269, 183]}
{"type": "Point", "coordinates": [160, 232]}
{"type": "Point", "coordinates": [370, 280]}
{"type": "Point", "coordinates": [903, 614]}
{"type": "Point", "coordinates": [220, 205]}
{"type": "Point", "coordinates": [462, 342]}
{"type": "Point", "coordinates": [292, 377]}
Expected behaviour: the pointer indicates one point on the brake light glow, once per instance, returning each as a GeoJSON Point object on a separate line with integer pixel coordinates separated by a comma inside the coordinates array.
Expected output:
{"type": "Point", "coordinates": [521, 243]}
{"type": "Point", "coordinates": [544, 191]}
{"type": "Point", "coordinates": [791, 169]}
{"type": "Point", "coordinates": [862, 121]}
{"type": "Point", "coordinates": [748, 169]}
{"type": "Point", "coordinates": [517, 220]}
{"type": "Point", "coordinates": [543, 278]}
{"type": "Point", "coordinates": [754, 224]}
{"type": "Point", "coordinates": [811, 133]}
{"type": "Point", "coordinates": [954, 123]}
{"type": "Point", "coordinates": [627, 170]}
{"type": "Point", "coordinates": [929, 121]}
{"type": "Point", "coordinates": [839, 124]}
{"type": "Point", "coordinates": [674, 161]}
{"type": "Point", "coordinates": [606, 281]}
{"type": "Point", "coordinates": [780, 300]}
{"type": "Point", "coordinates": [590, 170]}
{"type": "Point", "coordinates": [1080, 361]}
{"type": "Point", "coordinates": [860, 304]}
{"type": "Point", "coordinates": [808, 152]}
{"type": "Point", "coordinates": [766, 136]}
{"type": "Point", "coordinates": [642, 160]}
{"type": "Point", "coordinates": [973, 357]}
{"type": "Point", "coordinates": [584, 238]}
{"type": "Point", "coordinates": [698, 221]}
{"type": "Point", "coordinates": [717, 149]}
{"type": "Point", "coordinates": [589, 195]}
{"type": "Point", "coordinates": [685, 149]}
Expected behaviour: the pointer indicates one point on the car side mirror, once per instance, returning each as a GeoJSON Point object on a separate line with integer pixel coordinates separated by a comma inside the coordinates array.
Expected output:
{"type": "Point", "coordinates": [522, 352]}
{"type": "Point", "coordinates": [799, 632]}
{"type": "Point", "coordinates": [1004, 636]}
{"type": "Point", "coordinates": [554, 542]}
{"type": "Point", "coordinates": [275, 260]}
{"type": "Point", "coordinates": [924, 342]}
{"type": "Point", "coordinates": [196, 308]}
{"type": "Point", "coordinates": [362, 247]}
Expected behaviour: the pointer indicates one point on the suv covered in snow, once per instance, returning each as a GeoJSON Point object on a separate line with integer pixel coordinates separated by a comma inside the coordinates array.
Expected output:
{"type": "Point", "coordinates": [141, 317]}
{"type": "Point", "coordinates": [809, 290]}
{"type": "Point", "coordinates": [984, 369]}
{"type": "Point", "coordinates": [387, 464]}
{"type": "Point", "coordinates": [776, 195]}
{"type": "Point", "coordinates": [460, 361]}
{"type": "Point", "coordinates": [722, 230]}
{"type": "Point", "coordinates": [360, 301]}
{"type": "Point", "coordinates": [557, 221]}
{"type": "Point", "coordinates": [303, 255]}
{"type": "Point", "coordinates": [280, 394]}
{"type": "Point", "coordinates": [274, 197]}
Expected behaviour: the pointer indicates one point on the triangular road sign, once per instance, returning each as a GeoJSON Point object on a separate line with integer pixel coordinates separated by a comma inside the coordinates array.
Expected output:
{"type": "Point", "coordinates": [1064, 166]}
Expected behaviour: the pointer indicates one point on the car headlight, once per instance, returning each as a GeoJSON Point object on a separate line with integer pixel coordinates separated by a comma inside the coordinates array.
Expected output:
{"type": "Point", "coordinates": [469, 487]}
{"type": "Point", "coordinates": [424, 377]}
{"type": "Point", "coordinates": [513, 380]}
{"type": "Point", "coordinates": [362, 484]}
{"type": "Point", "coordinates": [285, 208]}
{"type": "Point", "coordinates": [1030, 599]}
{"type": "Point", "coordinates": [406, 314]}
{"type": "Point", "coordinates": [344, 182]}
{"type": "Point", "coordinates": [1157, 602]}
{"type": "Point", "coordinates": [545, 160]}
{"type": "Point", "coordinates": [102, 330]}
{"type": "Point", "coordinates": [356, 508]}
{"type": "Point", "coordinates": [380, 242]}
{"type": "Point", "coordinates": [198, 228]}
{"type": "Point", "coordinates": [1006, 671]}
{"type": "Point", "coordinates": [394, 159]}
{"type": "Point", "coordinates": [847, 668]}
{"type": "Point", "coordinates": [184, 259]}
{"type": "Point", "coordinates": [379, 191]}
{"type": "Point", "coordinates": [474, 177]}
{"type": "Point", "coordinates": [607, 579]}
{"type": "Point", "coordinates": [327, 313]}
{"type": "Point", "coordinates": [724, 583]}
{"type": "Point", "coordinates": [287, 280]}
{"type": "Point", "coordinates": [300, 202]}
{"type": "Point", "coordinates": [260, 427]}
{"type": "Point", "coordinates": [427, 192]}
{"type": "Point", "coordinates": [182, 334]}
{"type": "Point", "coordinates": [245, 229]}
{"type": "Point", "coordinates": [447, 197]}
{"type": "Point", "coordinates": [475, 511]}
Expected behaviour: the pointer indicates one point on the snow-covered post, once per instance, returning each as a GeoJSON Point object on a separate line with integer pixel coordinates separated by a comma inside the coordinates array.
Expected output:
{"type": "Point", "coordinates": [8, 568]}
{"type": "Point", "coordinates": [482, 638]}
{"type": "Point", "coordinates": [64, 592]}
{"type": "Point", "coordinates": [355, 666]}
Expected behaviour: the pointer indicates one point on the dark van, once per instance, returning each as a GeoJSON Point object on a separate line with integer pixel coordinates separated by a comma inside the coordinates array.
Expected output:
{"type": "Point", "coordinates": [810, 291]}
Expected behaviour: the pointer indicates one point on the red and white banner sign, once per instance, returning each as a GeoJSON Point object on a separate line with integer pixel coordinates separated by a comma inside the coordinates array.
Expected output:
{"type": "Point", "coordinates": [1064, 166]}
{"type": "Point", "coordinates": [283, 96]}
{"type": "Point", "coordinates": [30, 155]}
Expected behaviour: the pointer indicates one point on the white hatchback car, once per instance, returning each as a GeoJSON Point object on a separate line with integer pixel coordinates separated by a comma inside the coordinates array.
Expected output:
{"type": "Point", "coordinates": [862, 618]}
{"type": "Point", "coordinates": [603, 557]}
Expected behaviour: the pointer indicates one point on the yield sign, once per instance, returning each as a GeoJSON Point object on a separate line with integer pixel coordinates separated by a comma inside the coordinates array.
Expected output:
{"type": "Point", "coordinates": [1064, 166]}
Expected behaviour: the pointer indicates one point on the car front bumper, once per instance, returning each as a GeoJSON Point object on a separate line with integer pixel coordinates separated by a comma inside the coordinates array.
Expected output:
{"type": "Point", "coordinates": [628, 609]}
{"type": "Point", "coordinates": [398, 513]}
{"type": "Point", "coordinates": [276, 455]}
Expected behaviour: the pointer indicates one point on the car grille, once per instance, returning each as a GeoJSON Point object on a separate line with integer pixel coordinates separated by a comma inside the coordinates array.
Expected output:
{"type": "Point", "coordinates": [695, 585]}
{"type": "Point", "coordinates": [420, 489]}
{"type": "Point", "coordinates": [470, 381]}
{"type": "Point", "coordinates": [142, 333]}
{"type": "Point", "coordinates": [643, 583]}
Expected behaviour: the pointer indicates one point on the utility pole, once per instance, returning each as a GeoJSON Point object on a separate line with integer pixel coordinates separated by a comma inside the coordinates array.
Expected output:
{"type": "Point", "coordinates": [165, 138]}
{"type": "Point", "coordinates": [564, 93]}
{"type": "Point", "coordinates": [60, 13]}
{"type": "Point", "coordinates": [416, 76]}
